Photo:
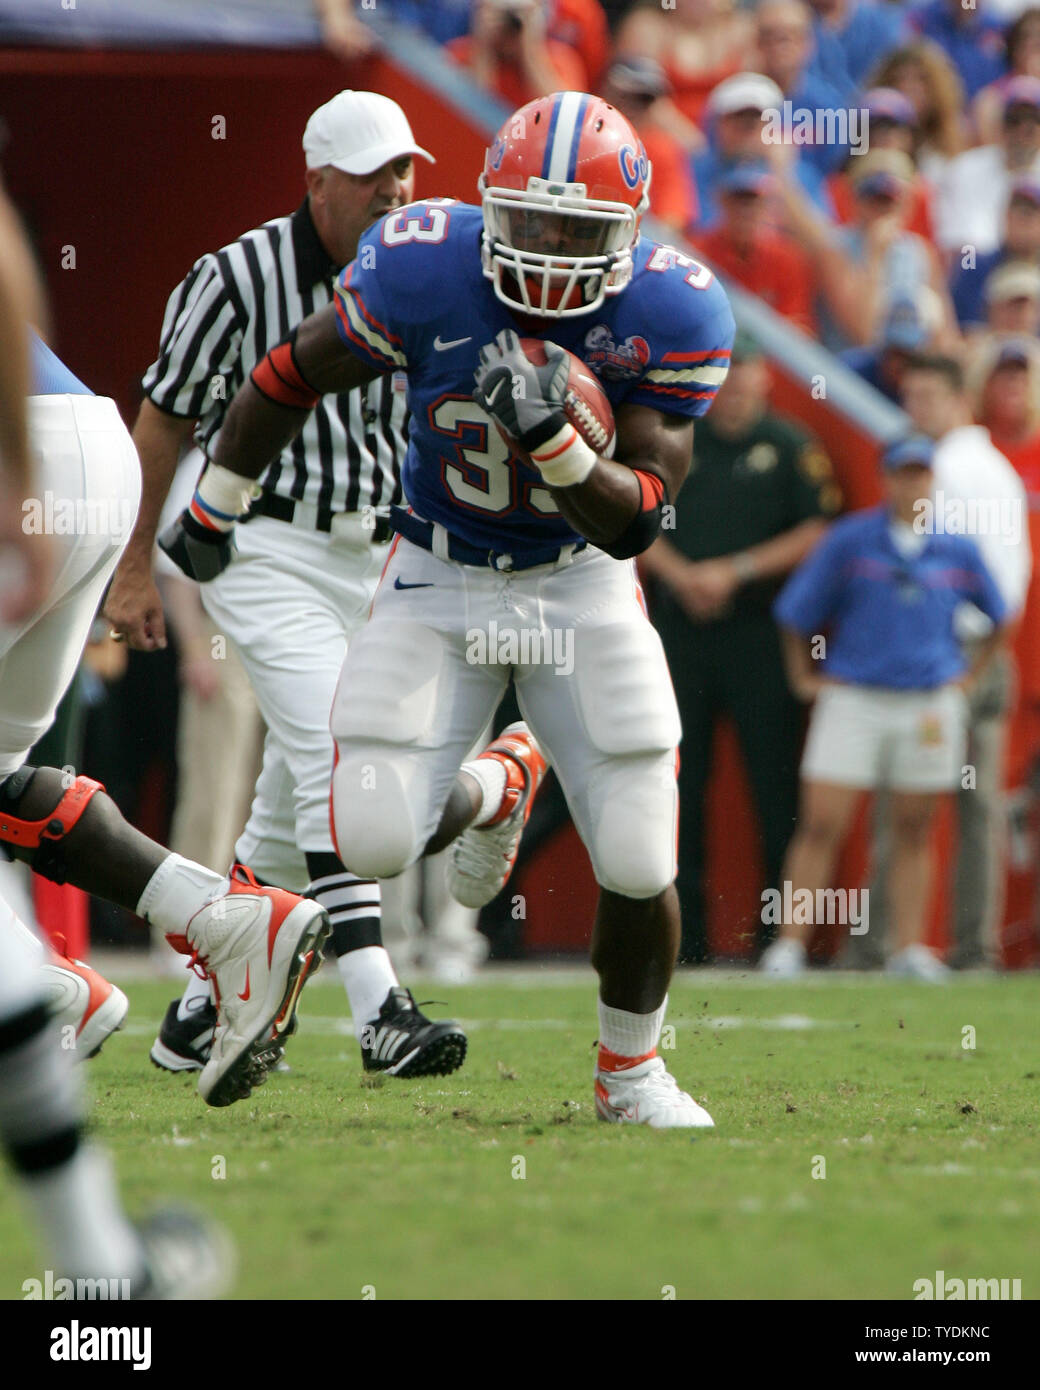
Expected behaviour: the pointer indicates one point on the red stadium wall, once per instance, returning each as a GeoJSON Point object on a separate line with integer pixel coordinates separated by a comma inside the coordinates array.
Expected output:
{"type": "Point", "coordinates": [113, 154]}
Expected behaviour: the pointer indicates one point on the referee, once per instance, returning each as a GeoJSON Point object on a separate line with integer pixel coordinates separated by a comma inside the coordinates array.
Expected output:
{"type": "Point", "coordinates": [302, 573]}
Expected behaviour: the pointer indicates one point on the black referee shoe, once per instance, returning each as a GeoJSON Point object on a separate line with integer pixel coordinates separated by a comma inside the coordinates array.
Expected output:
{"type": "Point", "coordinates": [184, 1044]}
{"type": "Point", "coordinates": [404, 1042]}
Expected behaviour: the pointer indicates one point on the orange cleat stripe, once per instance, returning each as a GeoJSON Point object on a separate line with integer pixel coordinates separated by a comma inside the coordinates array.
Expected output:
{"type": "Point", "coordinates": [613, 1061]}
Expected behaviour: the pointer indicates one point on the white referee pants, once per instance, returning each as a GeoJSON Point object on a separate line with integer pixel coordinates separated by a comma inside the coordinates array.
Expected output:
{"type": "Point", "coordinates": [290, 602]}
{"type": "Point", "coordinates": [429, 668]}
{"type": "Point", "coordinates": [87, 494]}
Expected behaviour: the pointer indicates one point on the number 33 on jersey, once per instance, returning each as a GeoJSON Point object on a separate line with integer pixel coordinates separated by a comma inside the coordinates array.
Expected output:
{"type": "Point", "coordinates": [416, 299]}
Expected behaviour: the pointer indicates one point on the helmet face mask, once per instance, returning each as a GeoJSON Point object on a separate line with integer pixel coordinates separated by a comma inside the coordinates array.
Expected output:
{"type": "Point", "coordinates": [554, 247]}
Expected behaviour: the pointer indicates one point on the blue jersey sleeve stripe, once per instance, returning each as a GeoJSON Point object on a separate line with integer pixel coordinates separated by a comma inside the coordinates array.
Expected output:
{"type": "Point", "coordinates": [350, 317]}
{"type": "Point", "coordinates": [703, 375]}
{"type": "Point", "coordinates": [362, 343]}
{"type": "Point", "coordinates": [346, 286]}
{"type": "Point", "coordinates": [721, 354]}
{"type": "Point", "coordinates": [681, 392]}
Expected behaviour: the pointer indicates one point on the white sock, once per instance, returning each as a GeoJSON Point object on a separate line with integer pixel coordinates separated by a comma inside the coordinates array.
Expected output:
{"type": "Point", "coordinates": [368, 978]}
{"type": "Point", "coordinates": [194, 990]}
{"type": "Point", "coordinates": [176, 891]}
{"type": "Point", "coordinates": [490, 775]}
{"type": "Point", "coordinates": [82, 1219]}
{"type": "Point", "coordinates": [630, 1035]}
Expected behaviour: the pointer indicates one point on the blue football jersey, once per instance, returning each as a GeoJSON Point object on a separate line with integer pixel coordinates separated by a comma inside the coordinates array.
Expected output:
{"type": "Point", "coordinates": [415, 299]}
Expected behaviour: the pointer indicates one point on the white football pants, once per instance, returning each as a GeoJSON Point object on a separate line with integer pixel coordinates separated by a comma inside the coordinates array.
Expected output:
{"type": "Point", "coordinates": [87, 493]}
{"type": "Point", "coordinates": [426, 673]}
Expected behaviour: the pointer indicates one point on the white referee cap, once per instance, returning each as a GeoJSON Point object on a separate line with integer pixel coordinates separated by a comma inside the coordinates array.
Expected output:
{"type": "Point", "coordinates": [359, 132]}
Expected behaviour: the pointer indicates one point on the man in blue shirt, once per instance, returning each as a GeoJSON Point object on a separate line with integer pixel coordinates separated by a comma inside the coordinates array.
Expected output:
{"type": "Point", "coordinates": [868, 631]}
{"type": "Point", "coordinates": [852, 37]}
{"type": "Point", "coordinates": [784, 32]}
{"type": "Point", "coordinates": [973, 41]}
{"type": "Point", "coordinates": [1021, 243]}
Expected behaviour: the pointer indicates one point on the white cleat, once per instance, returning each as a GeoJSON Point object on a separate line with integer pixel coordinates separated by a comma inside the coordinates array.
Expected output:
{"type": "Point", "coordinates": [784, 959]}
{"type": "Point", "coordinates": [918, 963]}
{"type": "Point", "coordinates": [258, 946]}
{"type": "Point", "coordinates": [483, 856]}
{"type": "Point", "coordinates": [184, 1256]}
{"type": "Point", "coordinates": [647, 1094]}
{"type": "Point", "coordinates": [81, 999]}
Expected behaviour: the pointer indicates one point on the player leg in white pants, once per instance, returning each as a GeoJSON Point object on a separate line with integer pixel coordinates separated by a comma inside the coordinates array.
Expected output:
{"type": "Point", "coordinates": [89, 477]}
{"type": "Point", "coordinates": [88, 487]}
{"type": "Point", "coordinates": [594, 686]}
{"type": "Point", "coordinates": [83, 452]}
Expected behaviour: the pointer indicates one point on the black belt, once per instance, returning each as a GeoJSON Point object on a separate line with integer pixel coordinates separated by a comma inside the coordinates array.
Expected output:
{"type": "Point", "coordinates": [284, 509]}
{"type": "Point", "coordinates": [420, 533]}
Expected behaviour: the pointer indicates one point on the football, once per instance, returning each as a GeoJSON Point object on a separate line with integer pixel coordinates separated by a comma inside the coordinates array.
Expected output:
{"type": "Point", "coordinates": [585, 404]}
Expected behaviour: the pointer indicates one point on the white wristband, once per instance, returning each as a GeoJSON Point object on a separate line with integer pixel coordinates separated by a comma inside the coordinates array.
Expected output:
{"type": "Point", "coordinates": [565, 459]}
{"type": "Point", "coordinates": [225, 493]}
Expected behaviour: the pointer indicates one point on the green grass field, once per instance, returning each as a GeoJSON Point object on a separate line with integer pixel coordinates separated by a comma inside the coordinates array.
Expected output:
{"type": "Point", "coordinates": [333, 1186]}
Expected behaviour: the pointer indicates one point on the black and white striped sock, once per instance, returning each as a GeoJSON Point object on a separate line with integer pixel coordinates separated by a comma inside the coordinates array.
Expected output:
{"type": "Point", "coordinates": [353, 905]}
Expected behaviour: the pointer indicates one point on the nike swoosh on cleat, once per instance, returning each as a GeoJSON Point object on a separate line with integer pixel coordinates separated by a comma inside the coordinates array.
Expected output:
{"type": "Point", "coordinates": [400, 584]}
{"type": "Point", "coordinates": [248, 989]}
{"type": "Point", "coordinates": [439, 346]}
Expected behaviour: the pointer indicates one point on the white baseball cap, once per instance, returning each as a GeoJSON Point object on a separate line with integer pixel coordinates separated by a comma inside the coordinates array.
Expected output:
{"type": "Point", "coordinates": [744, 91]}
{"type": "Point", "coordinates": [359, 132]}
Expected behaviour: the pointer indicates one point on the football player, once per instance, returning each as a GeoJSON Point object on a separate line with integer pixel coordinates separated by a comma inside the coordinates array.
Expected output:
{"type": "Point", "coordinates": [516, 528]}
{"type": "Point", "coordinates": [65, 1178]}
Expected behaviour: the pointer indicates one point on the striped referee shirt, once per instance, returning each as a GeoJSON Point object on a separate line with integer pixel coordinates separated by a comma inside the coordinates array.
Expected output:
{"type": "Point", "coordinates": [230, 310]}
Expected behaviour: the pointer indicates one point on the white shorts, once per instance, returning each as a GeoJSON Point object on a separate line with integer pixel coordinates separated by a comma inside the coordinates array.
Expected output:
{"type": "Point", "coordinates": [427, 672]}
{"type": "Point", "coordinates": [87, 494]}
{"type": "Point", "coordinates": [908, 740]}
{"type": "Point", "coordinates": [289, 602]}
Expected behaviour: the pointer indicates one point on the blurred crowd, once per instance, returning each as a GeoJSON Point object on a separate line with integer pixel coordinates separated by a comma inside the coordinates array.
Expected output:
{"type": "Point", "coordinates": [871, 171]}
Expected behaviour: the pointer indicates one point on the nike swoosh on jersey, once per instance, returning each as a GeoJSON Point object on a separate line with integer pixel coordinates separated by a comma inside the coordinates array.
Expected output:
{"type": "Point", "coordinates": [400, 584]}
{"type": "Point", "coordinates": [439, 346]}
